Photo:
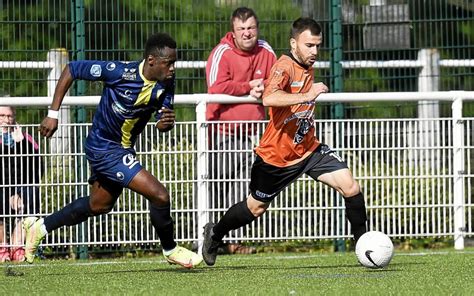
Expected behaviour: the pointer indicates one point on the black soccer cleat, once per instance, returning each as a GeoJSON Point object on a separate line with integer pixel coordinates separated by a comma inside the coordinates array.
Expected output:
{"type": "Point", "coordinates": [209, 246]}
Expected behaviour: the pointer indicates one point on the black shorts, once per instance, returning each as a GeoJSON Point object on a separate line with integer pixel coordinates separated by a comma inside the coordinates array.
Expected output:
{"type": "Point", "coordinates": [268, 181]}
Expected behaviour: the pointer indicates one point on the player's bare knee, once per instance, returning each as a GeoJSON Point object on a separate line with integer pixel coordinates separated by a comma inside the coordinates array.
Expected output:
{"type": "Point", "coordinates": [161, 199]}
{"type": "Point", "coordinates": [257, 212]}
{"type": "Point", "coordinates": [257, 208]}
{"type": "Point", "coordinates": [352, 190]}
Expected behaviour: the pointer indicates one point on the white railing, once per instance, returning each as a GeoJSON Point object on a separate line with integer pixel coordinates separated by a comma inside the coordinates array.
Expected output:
{"type": "Point", "coordinates": [428, 62]}
{"type": "Point", "coordinates": [424, 144]}
{"type": "Point", "coordinates": [416, 174]}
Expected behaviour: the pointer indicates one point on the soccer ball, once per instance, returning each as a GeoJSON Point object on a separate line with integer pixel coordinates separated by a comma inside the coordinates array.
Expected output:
{"type": "Point", "coordinates": [374, 249]}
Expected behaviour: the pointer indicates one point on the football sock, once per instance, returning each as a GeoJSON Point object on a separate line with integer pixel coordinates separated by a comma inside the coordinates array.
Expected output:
{"type": "Point", "coordinates": [236, 216]}
{"type": "Point", "coordinates": [356, 214]}
{"type": "Point", "coordinates": [163, 224]}
{"type": "Point", "coordinates": [168, 252]}
{"type": "Point", "coordinates": [74, 213]}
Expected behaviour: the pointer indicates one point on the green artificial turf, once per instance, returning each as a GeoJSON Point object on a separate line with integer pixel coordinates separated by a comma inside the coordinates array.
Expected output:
{"type": "Point", "coordinates": [446, 272]}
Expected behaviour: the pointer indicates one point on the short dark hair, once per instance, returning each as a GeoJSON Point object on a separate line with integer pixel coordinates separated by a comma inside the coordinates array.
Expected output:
{"type": "Point", "coordinates": [243, 14]}
{"type": "Point", "coordinates": [305, 23]}
{"type": "Point", "coordinates": [157, 42]}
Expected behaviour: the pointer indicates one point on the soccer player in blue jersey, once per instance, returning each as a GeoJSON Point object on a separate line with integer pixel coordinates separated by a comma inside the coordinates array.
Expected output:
{"type": "Point", "coordinates": [132, 93]}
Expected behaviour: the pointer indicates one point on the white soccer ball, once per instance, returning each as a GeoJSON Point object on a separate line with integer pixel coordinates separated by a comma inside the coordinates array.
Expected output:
{"type": "Point", "coordinates": [374, 249]}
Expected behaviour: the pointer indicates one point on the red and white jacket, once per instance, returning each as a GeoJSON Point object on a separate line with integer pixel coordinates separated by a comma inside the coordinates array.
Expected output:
{"type": "Point", "coordinates": [228, 71]}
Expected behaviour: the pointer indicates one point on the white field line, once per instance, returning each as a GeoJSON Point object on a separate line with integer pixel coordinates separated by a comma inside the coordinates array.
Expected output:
{"type": "Point", "coordinates": [240, 258]}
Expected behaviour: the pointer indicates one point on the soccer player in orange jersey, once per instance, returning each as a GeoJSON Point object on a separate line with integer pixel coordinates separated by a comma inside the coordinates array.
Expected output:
{"type": "Point", "coordinates": [289, 147]}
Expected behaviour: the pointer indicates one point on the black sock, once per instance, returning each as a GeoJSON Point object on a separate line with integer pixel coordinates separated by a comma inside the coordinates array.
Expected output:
{"type": "Point", "coordinates": [236, 216]}
{"type": "Point", "coordinates": [356, 214]}
{"type": "Point", "coordinates": [74, 213]}
{"type": "Point", "coordinates": [163, 224]}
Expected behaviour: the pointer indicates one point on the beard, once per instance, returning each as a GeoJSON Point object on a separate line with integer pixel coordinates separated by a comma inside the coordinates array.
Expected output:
{"type": "Point", "coordinates": [307, 61]}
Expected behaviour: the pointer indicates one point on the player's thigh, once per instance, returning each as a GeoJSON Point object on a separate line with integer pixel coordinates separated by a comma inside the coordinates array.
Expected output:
{"type": "Point", "coordinates": [341, 180]}
{"type": "Point", "coordinates": [104, 194]}
{"type": "Point", "coordinates": [148, 185]}
{"type": "Point", "coordinates": [118, 166]}
{"type": "Point", "coordinates": [326, 166]}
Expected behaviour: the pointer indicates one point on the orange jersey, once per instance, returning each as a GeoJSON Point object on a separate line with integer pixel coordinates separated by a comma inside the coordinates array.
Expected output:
{"type": "Point", "coordinates": [290, 135]}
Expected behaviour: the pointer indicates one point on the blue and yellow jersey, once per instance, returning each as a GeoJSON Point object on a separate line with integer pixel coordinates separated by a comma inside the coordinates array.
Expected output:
{"type": "Point", "coordinates": [127, 102]}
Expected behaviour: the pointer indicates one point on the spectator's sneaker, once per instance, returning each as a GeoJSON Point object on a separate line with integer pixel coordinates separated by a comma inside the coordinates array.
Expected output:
{"type": "Point", "coordinates": [33, 237]}
{"type": "Point", "coordinates": [209, 246]}
{"type": "Point", "coordinates": [4, 255]}
{"type": "Point", "coordinates": [17, 254]}
{"type": "Point", "coordinates": [183, 257]}
{"type": "Point", "coordinates": [240, 249]}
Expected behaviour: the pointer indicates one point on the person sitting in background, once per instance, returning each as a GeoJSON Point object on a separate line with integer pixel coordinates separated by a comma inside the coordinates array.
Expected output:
{"type": "Point", "coordinates": [237, 66]}
{"type": "Point", "coordinates": [21, 173]}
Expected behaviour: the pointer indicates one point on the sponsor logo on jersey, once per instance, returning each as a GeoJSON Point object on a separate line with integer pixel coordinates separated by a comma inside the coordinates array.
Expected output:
{"type": "Point", "coordinates": [126, 94]}
{"type": "Point", "coordinates": [305, 123]}
{"type": "Point", "coordinates": [299, 115]}
{"type": "Point", "coordinates": [129, 74]}
{"type": "Point", "coordinates": [296, 86]}
{"type": "Point", "coordinates": [96, 70]}
{"type": "Point", "coordinates": [120, 109]}
{"type": "Point", "coordinates": [258, 72]}
{"type": "Point", "coordinates": [110, 66]}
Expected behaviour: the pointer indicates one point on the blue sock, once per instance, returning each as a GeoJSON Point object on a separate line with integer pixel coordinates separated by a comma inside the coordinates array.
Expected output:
{"type": "Point", "coordinates": [74, 213]}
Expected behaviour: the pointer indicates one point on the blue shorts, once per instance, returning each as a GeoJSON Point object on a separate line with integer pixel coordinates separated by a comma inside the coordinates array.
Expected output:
{"type": "Point", "coordinates": [118, 165]}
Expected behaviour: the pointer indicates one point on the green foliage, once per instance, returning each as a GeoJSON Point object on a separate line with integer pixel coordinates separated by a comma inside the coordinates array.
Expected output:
{"type": "Point", "coordinates": [117, 30]}
{"type": "Point", "coordinates": [364, 80]}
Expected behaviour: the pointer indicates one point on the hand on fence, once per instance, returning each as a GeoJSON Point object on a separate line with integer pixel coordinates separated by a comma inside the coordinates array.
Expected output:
{"type": "Point", "coordinates": [256, 86]}
{"type": "Point", "coordinates": [319, 88]}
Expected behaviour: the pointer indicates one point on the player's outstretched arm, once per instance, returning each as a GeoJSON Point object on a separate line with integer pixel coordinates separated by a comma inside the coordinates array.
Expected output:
{"type": "Point", "coordinates": [50, 123]}
{"type": "Point", "coordinates": [167, 120]}
{"type": "Point", "coordinates": [281, 98]}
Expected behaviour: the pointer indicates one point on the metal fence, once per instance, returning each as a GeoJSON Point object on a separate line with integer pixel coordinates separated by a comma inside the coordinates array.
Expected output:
{"type": "Point", "coordinates": [416, 175]}
{"type": "Point", "coordinates": [409, 167]}
{"type": "Point", "coordinates": [361, 30]}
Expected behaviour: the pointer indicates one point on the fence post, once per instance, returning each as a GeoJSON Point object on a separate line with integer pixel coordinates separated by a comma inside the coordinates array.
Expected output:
{"type": "Point", "coordinates": [202, 197]}
{"type": "Point", "coordinates": [58, 57]}
{"type": "Point", "coordinates": [458, 173]}
{"type": "Point", "coordinates": [337, 109]}
{"type": "Point", "coordinates": [428, 80]}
